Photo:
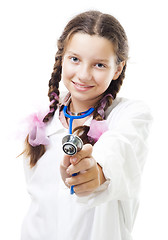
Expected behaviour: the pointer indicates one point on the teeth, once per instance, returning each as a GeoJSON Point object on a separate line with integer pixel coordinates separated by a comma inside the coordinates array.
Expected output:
{"type": "Point", "coordinates": [81, 85]}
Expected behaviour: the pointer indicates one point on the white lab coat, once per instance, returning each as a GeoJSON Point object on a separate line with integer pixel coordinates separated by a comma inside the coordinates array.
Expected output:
{"type": "Point", "coordinates": [108, 213]}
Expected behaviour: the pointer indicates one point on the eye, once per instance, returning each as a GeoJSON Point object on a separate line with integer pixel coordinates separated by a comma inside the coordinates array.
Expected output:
{"type": "Point", "coordinates": [74, 59]}
{"type": "Point", "coordinates": [100, 65]}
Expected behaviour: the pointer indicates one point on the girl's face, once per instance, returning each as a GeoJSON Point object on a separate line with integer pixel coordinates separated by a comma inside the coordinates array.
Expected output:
{"type": "Point", "coordinates": [88, 67]}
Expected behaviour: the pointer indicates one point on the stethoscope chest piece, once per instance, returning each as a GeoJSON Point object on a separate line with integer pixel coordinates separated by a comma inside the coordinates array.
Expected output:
{"type": "Point", "coordinates": [71, 144]}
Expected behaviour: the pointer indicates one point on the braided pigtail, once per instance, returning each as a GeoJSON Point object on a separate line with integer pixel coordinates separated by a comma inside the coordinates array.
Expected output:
{"type": "Point", "coordinates": [100, 108]}
{"type": "Point", "coordinates": [53, 92]}
{"type": "Point", "coordinates": [34, 150]}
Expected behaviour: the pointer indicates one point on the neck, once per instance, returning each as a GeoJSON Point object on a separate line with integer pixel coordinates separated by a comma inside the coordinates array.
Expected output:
{"type": "Point", "coordinates": [76, 113]}
{"type": "Point", "coordinates": [77, 110]}
{"type": "Point", "coordinates": [77, 106]}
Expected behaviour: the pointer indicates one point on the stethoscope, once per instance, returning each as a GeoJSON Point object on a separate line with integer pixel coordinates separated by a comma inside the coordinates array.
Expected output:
{"type": "Point", "coordinates": [71, 143]}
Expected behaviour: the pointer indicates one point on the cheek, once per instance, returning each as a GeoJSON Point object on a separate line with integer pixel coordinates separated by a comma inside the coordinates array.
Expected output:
{"type": "Point", "coordinates": [67, 71]}
{"type": "Point", "coordinates": [104, 79]}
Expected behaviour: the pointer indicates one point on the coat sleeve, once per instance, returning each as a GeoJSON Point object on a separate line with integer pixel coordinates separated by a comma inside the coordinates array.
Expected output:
{"type": "Point", "coordinates": [121, 152]}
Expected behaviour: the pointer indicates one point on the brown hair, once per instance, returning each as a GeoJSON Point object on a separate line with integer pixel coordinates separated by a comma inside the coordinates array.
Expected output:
{"type": "Point", "coordinates": [92, 23]}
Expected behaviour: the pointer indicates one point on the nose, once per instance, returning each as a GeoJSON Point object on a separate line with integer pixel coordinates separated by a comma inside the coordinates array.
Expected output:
{"type": "Point", "coordinates": [84, 73]}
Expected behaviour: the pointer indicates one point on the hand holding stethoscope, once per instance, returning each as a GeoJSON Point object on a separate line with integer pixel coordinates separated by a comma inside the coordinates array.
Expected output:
{"type": "Point", "coordinates": [90, 175]}
{"type": "Point", "coordinates": [79, 169]}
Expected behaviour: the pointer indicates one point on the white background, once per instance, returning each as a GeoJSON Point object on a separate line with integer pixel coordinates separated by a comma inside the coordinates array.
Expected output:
{"type": "Point", "coordinates": [28, 33]}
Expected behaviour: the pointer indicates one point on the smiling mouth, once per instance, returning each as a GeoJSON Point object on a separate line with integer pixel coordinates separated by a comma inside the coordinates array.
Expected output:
{"type": "Point", "coordinates": [81, 85]}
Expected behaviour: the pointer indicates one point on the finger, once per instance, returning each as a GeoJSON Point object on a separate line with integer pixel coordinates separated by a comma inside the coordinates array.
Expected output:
{"type": "Point", "coordinates": [85, 152]}
{"type": "Point", "coordinates": [82, 177]}
{"type": "Point", "coordinates": [66, 161]}
{"type": "Point", "coordinates": [83, 165]}
{"type": "Point", "coordinates": [86, 187]}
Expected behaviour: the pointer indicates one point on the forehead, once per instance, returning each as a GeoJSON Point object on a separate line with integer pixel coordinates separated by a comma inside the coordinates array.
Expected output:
{"type": "Point", "coordinates": [90, 45]}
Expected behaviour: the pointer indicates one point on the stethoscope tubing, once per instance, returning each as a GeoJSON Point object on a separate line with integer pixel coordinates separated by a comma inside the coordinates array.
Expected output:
{"type": "Point", "coordinates": [71, 118]}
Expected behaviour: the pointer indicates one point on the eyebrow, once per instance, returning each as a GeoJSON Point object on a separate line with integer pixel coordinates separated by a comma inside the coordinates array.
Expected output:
{"type": "Point", "coordinates": [95, 59]}
{"type": "Point", "coordinates": [72, 53]}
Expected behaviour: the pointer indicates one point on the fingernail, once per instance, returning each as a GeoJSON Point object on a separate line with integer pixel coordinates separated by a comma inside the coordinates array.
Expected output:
{"type": "Point", "coordinates": [74, 159]}
{"type": "Point", "coordinates": [68, 171]}
{"type": "Point", "coordinates": [66, 181]}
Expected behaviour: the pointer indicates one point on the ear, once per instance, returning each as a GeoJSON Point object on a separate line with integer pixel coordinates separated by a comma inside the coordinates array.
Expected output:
{"type": "Point", "coordinates": [119, 70]}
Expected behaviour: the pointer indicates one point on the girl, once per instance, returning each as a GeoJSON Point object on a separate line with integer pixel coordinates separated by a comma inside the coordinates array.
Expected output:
{"type": "Point", "coordinates": [91, 61]}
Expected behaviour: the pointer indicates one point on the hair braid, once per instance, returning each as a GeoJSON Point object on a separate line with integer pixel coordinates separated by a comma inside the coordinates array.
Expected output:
{"type": "Point", "coordinates": [36, 152]}
{"type": "Point", "coordinates": [54, 87]}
